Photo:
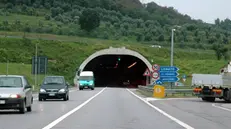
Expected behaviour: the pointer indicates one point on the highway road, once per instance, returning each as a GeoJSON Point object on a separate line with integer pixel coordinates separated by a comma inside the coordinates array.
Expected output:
{"type": "Point", "coordinates": [197, 113]}
{"type": "Point", "coordinates": [117, 108]}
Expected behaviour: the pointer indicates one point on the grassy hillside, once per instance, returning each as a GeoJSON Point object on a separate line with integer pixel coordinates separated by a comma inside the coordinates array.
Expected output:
{"type": "Point", "coordinates": [123, 20]}
{"type": "Point", "coordinates": [69, 55]}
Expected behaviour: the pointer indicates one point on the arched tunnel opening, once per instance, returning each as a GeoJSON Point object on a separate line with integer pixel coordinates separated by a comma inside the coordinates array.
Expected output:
{"type": "Point", "coordinates": [117, 71]}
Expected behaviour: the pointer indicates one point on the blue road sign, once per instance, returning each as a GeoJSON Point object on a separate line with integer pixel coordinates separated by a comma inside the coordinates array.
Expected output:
{"type": "Point", "coordinates": [169, 68]}
{"type": "Point", "coordinates": [169, 79]}
{"type": "Point", "coordinates": [159, 82]}
{"type": "Point", "coordinates": [184, 76]}
{"type": "Point", "coordinates": [167, 74]}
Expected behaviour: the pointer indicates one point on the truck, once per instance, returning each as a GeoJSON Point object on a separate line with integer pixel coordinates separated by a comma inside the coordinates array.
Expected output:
{"type": "Point", "coordinates": [86, 80]}
{"type": "Point", "coordinates": [208, 87]}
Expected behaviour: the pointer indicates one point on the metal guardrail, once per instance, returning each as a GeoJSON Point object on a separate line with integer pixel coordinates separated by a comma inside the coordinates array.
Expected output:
{"type": "Point", "coordinates": [168, 91]}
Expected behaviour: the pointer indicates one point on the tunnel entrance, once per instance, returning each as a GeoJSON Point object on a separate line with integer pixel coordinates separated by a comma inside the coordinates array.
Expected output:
{"type": "Point", "coordinates": [117, 70]}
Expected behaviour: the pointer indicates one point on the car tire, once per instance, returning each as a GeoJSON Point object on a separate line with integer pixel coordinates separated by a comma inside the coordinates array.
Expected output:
{"type": "Point", "coordinates": [68, 97]}
{"type": "Point", "coordinates": [92, 88]}
{"type": "Point", "coordinates": [22, 110]}
{"type": "Point", "coordinates": [29, 109]}
{"type": "Point", "coordinates": [40, 99]}
{"type": "Point", "coordinates": [65, 98]}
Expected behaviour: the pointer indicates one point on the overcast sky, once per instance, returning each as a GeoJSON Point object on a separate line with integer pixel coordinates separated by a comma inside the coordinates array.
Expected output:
{"type": "Point", "coordinates": [206, 10]}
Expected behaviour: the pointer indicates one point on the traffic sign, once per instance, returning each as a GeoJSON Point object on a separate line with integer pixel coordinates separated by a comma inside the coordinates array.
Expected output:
{"type": "Point", "coordinates": [159, 91]}
{"type": "Point", "coordinates": [184, 79]}
{"type": "Point", "coordinates": [159, 82]}
{"type": "Point", "coordinates": [184, 76]}
{"type": "Point", "coordinates": [169, 68]}
{"type": "Point", "coordinates": [155, 75]}
{"type": "Point", "coordinates": [167, 73]}
{"type": "Point", "coordinates": [156, 67]}
{"type": "Point", "coordinates": [147, 72]}
{"type": "Point", "coordinates": [169, 79]}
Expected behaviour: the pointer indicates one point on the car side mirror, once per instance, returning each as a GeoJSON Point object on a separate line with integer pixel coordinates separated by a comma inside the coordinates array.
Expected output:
{"type": "Point", "coordinates": [67, 83]}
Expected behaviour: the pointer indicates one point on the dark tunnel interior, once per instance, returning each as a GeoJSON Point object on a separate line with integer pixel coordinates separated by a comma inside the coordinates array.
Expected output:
{"type": "Point", "coordinates": [117, 71]}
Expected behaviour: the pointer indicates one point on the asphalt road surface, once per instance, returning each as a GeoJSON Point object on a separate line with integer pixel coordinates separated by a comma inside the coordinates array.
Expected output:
{"type": "Point", "coordinates": [197, 113]}
{"type": "Point", "coordinates": [117, 108]}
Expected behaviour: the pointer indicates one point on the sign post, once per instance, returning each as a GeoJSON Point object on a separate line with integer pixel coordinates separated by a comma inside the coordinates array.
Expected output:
{"type": "Point", "coordinates": [147, 73]}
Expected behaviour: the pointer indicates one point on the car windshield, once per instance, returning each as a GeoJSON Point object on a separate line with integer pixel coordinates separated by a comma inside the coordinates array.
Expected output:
{"type": "Point", "coordinates": [86, 78]}
{"type": "Point", "coordinates": [10, 82]}
{"type": "Point", "coordinates": [53, 80]}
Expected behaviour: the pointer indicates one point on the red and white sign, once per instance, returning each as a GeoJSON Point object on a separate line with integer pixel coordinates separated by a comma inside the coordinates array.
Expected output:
{"type": "Point", "coordinates": [155, 75]}
{"type": "Point", "coordinates": [156, 67]}
{"type": "Point", "coordinates": [147, 72]}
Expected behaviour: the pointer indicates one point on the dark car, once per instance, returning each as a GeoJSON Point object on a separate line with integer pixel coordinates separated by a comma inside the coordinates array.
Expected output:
{"type": "Point", "coordinates": [15, 93]}
{"type": "Point", "coordinates": [54, 87]}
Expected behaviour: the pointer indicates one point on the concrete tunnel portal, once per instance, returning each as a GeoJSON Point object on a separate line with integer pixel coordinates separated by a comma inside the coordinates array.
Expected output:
{"type": "Point", "coordinates": [116, 67]}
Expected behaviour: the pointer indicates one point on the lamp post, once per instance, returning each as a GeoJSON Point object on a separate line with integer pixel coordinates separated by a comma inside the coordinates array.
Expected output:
{"type": "Point", "coordinates": [172, 46]}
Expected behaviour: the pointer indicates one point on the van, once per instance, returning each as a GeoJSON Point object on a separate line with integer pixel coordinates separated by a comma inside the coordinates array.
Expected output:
{"type": "Point", "coordinates": [86, 80]}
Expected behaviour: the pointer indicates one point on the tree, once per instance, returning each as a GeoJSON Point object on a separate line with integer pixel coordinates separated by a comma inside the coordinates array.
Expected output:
{"type": "Point", "coordinates": [221, 51]}
{"type": "Point", "coordinates": [89, 20]}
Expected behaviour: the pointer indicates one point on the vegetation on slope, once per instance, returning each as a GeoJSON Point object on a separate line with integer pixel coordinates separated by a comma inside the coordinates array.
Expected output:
{"type": "Point", "coordinates": [72, 54]}
{"type": "Point", "coordinates": [125, 20]}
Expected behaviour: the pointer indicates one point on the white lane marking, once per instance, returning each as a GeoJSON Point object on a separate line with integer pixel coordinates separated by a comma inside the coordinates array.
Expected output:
{"type": "Point", "coordinates": [55, 122]}
{"type": "Point", "coordinates": [220, 107]}
{"type": "Point", "coordinates": [162, 112]}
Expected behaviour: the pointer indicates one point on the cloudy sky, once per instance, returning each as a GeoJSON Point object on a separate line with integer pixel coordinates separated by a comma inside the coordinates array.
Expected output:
{"type": "Point", "coordinates": [206, 10]}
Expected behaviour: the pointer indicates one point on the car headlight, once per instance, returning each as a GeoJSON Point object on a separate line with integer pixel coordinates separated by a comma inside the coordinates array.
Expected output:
{"type": "Point", "coordinates": [91, 83]}
{"type": "Point", "coordinates": [15, 96]}
{"type": "Point", "coordinates": [62, 90]}
{"type": "Point", "coordinates": [42, 90]}
{"type": "Point", "coordinates": [80, 84]}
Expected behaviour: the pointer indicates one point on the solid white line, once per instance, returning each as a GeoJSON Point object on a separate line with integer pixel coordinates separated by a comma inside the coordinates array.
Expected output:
{"type": "Point", "coordinates": [162, 112]}
{"type": "Point", "coordinates": [226, 109]}
{"type": "Point", "coordinates": [52, 124]}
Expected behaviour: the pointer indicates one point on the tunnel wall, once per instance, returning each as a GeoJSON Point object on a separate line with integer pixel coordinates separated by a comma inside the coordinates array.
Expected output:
{"type": "Point", "coordinates": [113, 51]}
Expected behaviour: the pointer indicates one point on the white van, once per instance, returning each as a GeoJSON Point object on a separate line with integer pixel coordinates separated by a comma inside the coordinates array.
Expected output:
{"type": "Point", "coordinates": [86, 80]}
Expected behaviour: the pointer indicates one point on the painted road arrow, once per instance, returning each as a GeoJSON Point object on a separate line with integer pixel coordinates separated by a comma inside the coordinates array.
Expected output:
{"type": "Point", "coordinates": [169, 79]}
{"type": "Point", "coordinates": [169, 68]}
{"type": "Point", "coordinates": [167, 74]}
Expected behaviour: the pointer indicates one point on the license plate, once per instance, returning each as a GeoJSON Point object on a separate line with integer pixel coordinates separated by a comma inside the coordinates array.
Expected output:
{"type": "Point", "coordinates": [2, 102]}
{"type": "Point", "coordinates": [51, 94]}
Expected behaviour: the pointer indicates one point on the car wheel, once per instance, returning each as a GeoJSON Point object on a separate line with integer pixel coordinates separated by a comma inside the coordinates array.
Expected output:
{"type": "Point", "coordinates": [68, 97]}
{"type": "Point", "coordinates": [65, 98]}
{"type": "Point", "coordinates": [22, 110]}
{"type": "Point", "coordinates": [92, 88]}
{"type": "Point", "coordinates": [29, 109]}
{"type": "Point", "coordinates": [40, 99]}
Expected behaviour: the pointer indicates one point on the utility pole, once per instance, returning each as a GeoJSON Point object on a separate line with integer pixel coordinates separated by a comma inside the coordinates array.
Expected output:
{"type": "Point", "coordinates": [36, 62]}
{"type": "Point", "coordinates": [172, 50]}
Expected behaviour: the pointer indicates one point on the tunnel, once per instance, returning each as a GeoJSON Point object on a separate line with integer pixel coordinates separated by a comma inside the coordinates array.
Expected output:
{"type": "Point", "coordinates": [117, 71]}
{"type": "Point", "coordinates": [116, 67]}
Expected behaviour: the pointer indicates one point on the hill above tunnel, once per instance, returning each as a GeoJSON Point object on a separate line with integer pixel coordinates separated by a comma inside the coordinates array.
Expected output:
{"type": "Point", "coordinates": [66, 57]}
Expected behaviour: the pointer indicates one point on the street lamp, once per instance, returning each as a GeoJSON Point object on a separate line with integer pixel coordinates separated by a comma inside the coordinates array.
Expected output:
{"type": "Point", "coordinates": [172, 46]}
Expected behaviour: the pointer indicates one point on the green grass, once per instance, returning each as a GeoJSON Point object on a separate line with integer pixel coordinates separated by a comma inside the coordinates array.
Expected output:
{"type": "Point", "coordinates": [31, 20]}
{"type": "Point", "coordinates": [71, 51]}
{"type": "Point", "coordinates": [20, 69]}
